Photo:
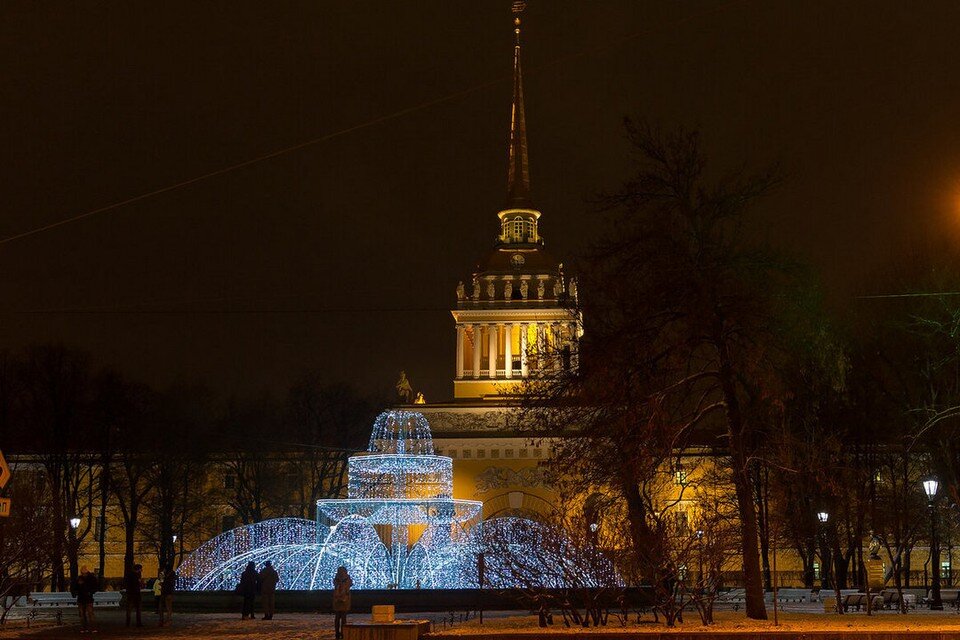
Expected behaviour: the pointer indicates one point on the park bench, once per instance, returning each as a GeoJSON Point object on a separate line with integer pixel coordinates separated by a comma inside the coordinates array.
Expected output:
{"type": "Point", "coordinates": [886, 599]}
{"type": "Point", "coordinates": [107, 599]}
{"type": "Point", "coordinates": [41, 603]}
{"type": "Point", "coordinates": [950, 597]}
{"type": "Point", "coordinates": [736, 597]}
{"type": "Point", "coordinates": [796, 595]}
{"type": "Point", "coordinates": [855, 600]}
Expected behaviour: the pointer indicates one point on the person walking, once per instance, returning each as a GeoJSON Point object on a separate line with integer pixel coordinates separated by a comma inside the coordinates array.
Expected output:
{"type": "Point", "coordinates": [248, 589]}
{"type": "Point", "coordinates": [83, 589]}
{"type": "Point", "coordinates": [132, 584]}
{"type": "Point", "coordinates": [268, 589]}
{"type": "Point", "coordinates": [167, 587]}
{"type": "Point", "coordinates": [341, 600]}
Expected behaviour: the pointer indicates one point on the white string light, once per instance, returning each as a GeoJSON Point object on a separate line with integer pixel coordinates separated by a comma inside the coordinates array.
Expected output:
{"type": "Point", "coordinates": [397, 490]}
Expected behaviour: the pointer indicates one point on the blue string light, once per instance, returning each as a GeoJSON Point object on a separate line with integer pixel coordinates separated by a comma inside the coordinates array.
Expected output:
{"type": "Point", "coordinates": [399, 527]}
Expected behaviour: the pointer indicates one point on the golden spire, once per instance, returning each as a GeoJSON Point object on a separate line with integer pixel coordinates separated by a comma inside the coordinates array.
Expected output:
{"type": "Point", "coordinates": [518, 175]}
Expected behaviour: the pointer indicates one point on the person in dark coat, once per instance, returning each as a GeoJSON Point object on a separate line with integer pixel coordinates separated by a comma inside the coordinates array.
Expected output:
{"type": "Point", "coordinates": [83, 589]}
{"type": "Point", "coordinates": [268, 588]}
{"type": "Point", "coordinates": [341, 600]}
{"type": "Point", "coordinates": [167, 587]}
{"type": "Point", "coordinates": [249, 580]}
{"type": "Point", "coordinates": [132, 583]}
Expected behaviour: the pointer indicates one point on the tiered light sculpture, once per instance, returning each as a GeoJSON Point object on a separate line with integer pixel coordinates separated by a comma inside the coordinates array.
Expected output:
{"type": "Point", "coordinates": [398, 527]}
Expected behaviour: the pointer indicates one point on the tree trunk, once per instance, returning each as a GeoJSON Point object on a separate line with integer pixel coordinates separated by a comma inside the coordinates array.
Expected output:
{"type": "Point", "coordinates": [743, 485]}
{"type": "Point", "coordinates": [762, 525]}
{"type": "Point", "coordinates": [102, 528]}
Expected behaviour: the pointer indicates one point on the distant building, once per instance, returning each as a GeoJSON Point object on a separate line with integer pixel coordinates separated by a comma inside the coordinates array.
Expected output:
{"type": "Point", "coordinates": [514, 319]}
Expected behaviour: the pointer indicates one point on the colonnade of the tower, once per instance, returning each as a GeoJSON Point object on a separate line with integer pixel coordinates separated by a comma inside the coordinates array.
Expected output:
{"type": "Point", "coordinates": [514, 349]}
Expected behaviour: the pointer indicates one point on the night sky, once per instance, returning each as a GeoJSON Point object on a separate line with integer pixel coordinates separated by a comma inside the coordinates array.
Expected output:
{"type": "Point", "coordinates": [344, 255]}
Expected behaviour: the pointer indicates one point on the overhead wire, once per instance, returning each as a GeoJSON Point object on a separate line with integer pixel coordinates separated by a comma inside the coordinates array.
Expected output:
{"type": "Point", "coordinates": [363, 125]}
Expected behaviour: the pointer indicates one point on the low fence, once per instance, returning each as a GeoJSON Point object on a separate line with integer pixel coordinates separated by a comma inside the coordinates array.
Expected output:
{"type": "Point", "coordinates": [405, 600]}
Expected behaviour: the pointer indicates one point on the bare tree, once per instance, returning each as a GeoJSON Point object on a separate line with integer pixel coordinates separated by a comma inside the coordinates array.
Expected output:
{"type": "Point", "coordinates": [53, 411]}
{"type": "Point", "coordinates": [24, 538]}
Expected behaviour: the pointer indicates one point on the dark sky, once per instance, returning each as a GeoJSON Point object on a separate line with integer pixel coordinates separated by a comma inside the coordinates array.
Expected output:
{"type": "Point", "coordinates": [344, 255]}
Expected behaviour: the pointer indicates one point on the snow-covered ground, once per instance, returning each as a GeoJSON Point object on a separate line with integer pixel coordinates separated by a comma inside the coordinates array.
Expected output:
{"type": "Point", "coordinates": [298, 626]}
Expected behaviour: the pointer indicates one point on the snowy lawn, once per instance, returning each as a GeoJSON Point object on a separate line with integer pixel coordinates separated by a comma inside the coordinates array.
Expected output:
{"type": "Point", "coordinates": [298, 626]}
{"type": "Point", "coordinates": [728, 621]}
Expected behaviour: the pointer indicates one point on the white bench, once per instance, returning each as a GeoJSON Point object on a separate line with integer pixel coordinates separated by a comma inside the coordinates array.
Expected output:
{"type": "Point", "coordinates": [51, 600]}
{"type": "Point", "coordinates": [104, 599]}
{"type": "Point", "coordinates": [796, 595]}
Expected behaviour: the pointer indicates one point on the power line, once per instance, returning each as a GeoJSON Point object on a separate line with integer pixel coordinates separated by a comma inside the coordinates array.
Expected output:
{"type": "Point", "coordinates": [922, 294]}
{"type": "Point", "coordinates": [364, 125]}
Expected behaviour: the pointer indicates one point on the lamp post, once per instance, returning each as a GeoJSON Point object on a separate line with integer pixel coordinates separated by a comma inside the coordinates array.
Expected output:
{"type": "Point", "coordinates": [74, 523]}
{"type": "Point", "coordinates": [699, 536]}
{"type": "Point", "coordinates": [824, 517]}
{"type": "Point", "coordinates": [930, 487]}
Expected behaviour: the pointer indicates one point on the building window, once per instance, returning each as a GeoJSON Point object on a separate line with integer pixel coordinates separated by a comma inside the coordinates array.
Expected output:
{"type": "Point", "coordinates": [466, 453]}
{"type": "Point", "coordinates": [452, 453]}
{"type": "Point", "coordinates": [537, 453]}
{"type": "Point", "coordinates": [508, 453]}
{"type": "Point", "coordinates": [518, 229]}
{"type": "Point", "coordinates": [680, 477]}
{"type": "Point", "coordinates": [945, 569]}
{"type": "Point", "coordinates": [494, 453]}
{"type": "Point", "coordinates": [523, 453]}
{"type": "Point", "coordinates": [816, 570]}
{"type": "Point", "coordinates": [481, 453]}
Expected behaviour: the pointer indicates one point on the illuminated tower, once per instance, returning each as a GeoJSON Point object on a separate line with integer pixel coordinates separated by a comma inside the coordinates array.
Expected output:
{"type": "Point", "coordinates": [513, 316]}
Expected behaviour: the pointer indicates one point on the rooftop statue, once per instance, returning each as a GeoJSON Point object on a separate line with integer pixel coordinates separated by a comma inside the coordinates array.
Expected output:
{"type": "Point", "coordinates": [404, 390]}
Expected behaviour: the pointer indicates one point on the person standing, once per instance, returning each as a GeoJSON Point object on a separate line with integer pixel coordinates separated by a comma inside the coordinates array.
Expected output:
{"type": "Point", "coordinates": [268, 588]}
{"type": "Point", "coordinates": [341, 600]}
{"type": "Point", "coordinates": [83, 589]}
{"type": "Point", "coordinates": [248, 589]}
{"type": "Point", "coordinates": [132, 584]}
{"type": "Point", "coordinates": [156, 591]}
{"type": "Point", "coordinates": [167, 587]}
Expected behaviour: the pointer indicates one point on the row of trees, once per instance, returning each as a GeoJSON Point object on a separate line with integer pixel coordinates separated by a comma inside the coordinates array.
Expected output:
{"type": "Point", "coordinates": [93, 450]}
{"type": "Point", "coordinates": [701, 338]}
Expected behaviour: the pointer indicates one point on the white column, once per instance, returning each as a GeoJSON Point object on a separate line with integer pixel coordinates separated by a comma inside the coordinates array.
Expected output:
{"type": "Point", "coordinates": [460, 339]}
{"type": "Point", "coordinates": [477, 347]}
{"type": "Point", "coordinates": [492, 348]}
{"type": "Point", "coordinates": [557, 345]}
{"type": "Point", "coordinates": [508, 350]}
{"type": "Point", "coordinates": [541, 347]}
{"type": "Point", "coordinates": [524, 370]}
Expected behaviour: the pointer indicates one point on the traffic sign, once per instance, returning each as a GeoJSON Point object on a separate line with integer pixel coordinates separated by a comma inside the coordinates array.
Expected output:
{"type": "Point", "coordinates": [4, 472]}
{"type": "Point", "coordinates": [4, 507]}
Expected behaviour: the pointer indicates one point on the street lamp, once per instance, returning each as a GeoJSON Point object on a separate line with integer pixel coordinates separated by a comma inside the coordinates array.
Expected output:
{"type": "Point", "coordinates": [930, 487]}
{"type": "Point", "coordinates": [699, 537]}
{"type": "Point", "coordinates": [823, 516]}
{"type": "Point", "coordinates": [74, 522]}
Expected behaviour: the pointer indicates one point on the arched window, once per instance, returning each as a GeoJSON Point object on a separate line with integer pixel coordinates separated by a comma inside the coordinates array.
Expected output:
{"type": "Point", "coordinates": [518, 229]}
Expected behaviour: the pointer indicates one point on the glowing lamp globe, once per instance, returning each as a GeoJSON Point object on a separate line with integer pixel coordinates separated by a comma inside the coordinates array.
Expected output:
{"type": "Point", "coordinates": [930, 487]}
{"type": "Point", "coordinates": [74, 522]}
{"type": "Point", "coordinates": [823, 516]}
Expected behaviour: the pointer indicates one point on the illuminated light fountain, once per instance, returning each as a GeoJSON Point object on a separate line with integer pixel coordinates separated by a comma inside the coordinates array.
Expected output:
{"type": "Point", "coordinates": [399, 527]}
{"type": "Point", "coordinates": [398, 492]}
{"type": "Point", "coordinates": [404, 492]}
